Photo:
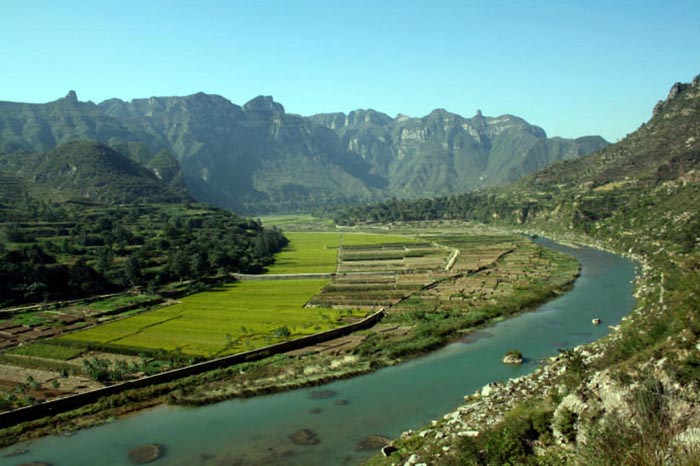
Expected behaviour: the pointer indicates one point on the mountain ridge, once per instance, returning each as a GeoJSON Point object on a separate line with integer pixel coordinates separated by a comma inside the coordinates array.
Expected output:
{"type": "Point", "coordinates": [259, 158]}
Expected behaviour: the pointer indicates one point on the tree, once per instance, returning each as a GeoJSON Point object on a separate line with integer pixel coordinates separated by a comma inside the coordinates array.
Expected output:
{"type": "Point", "coordinates": [133, 272]}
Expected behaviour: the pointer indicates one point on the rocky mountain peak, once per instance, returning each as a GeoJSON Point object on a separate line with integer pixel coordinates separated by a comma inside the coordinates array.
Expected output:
{"type": "Point", "coordinates": [72, 97]}
{"type": "Point", "coordinates": [368, 116]}
{"type": "Point", "coordinates": [674, 92]}
{"type": "Point", "coordinates": [263, 105]}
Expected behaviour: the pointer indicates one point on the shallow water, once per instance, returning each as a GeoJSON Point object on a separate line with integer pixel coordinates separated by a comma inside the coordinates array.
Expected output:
{"type": "Point", "coordinates": [387, 402]}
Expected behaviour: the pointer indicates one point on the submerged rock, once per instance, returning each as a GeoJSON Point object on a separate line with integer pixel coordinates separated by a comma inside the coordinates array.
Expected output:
{"type": "Point", "coordinates": [321, 394]}
{"type": "Point", "coordinates": [305, 437]}
{"type": "Point", "coordinates": [342, 402]}
{"type": "Point", "coordinates": [145, 453]}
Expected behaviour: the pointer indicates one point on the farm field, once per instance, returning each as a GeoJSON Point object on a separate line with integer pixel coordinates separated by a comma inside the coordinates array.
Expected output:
{"type": "Point", "coordinates": [229, 319]}
{"type": "Point", "coordinates": [317, 252]}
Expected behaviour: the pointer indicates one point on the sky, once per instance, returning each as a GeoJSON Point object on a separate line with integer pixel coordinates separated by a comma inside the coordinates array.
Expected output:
{"type": "Point", "coordinates": [572, 67]}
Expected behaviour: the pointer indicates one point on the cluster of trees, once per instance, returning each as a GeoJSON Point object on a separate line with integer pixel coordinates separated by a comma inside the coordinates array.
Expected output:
{"type": "Point", "coordinates": [470, 206]}
{"type": "Point", "coordinates": [106, 249]}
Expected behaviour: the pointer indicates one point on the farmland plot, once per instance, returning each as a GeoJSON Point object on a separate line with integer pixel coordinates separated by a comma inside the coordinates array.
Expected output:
{"type": "Point", "coordinates": [230, 319]}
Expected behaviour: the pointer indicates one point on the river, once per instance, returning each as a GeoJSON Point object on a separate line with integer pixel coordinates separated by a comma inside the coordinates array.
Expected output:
{"type": "Point", "coordinates": [386, 402]}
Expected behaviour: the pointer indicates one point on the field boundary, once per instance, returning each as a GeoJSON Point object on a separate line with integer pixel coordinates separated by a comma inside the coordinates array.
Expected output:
{"type": "Point", "coordinates": [61, 405]}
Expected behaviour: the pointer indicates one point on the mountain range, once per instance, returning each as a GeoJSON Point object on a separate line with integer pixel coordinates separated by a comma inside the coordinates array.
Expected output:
{"type": "Point", "coordinates": [258, 158]}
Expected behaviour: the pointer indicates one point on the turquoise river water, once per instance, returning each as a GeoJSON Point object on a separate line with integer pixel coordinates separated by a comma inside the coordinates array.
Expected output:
{"type": "Point", "coordinates": [386, 402]}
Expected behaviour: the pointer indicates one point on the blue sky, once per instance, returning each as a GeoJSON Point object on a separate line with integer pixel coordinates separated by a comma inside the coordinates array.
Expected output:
{"type": "Point", "coordinates": [572, 67]}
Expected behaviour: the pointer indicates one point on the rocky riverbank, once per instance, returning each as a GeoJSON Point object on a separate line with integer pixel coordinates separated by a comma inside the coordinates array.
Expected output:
{"type": "Point", "coordinates": [587, 405]}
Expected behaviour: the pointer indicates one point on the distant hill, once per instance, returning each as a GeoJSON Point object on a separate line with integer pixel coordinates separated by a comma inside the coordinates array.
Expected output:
{"type": "Point", "coordinates": [258, 158]}
{"type": "Point", "coordinates": [92, 171]}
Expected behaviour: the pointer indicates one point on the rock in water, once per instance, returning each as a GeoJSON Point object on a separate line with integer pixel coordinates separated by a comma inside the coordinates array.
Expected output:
{"type": "Point", "coordinates": [513, 357]}
{"type": "Point", "coordinates": [145, 453]}
{"type": "Point", "coordinates": [305, 437]}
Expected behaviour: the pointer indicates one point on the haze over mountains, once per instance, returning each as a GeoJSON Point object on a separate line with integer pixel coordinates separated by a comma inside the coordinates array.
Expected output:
{"type": "Point", "coordinates": [258, 158]}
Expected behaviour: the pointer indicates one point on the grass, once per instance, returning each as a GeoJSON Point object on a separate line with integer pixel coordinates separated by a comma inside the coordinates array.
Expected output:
{"type": "Point", "coordinates": [314, 252]}
{"type": "Point", "coordinates": [307, 253]}
{"type": "Point", "coordinates": [117, 302]}
{"type": "Point", "coordinates": [43, 350]}
{"type": "Point", "coordinates": [30, 319]}
{"type": "Point", "coordinates": [229, 319]}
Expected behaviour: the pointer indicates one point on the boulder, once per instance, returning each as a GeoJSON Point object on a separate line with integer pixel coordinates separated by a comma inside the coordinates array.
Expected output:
{"type": "Point", "coordinates": [513, 357]}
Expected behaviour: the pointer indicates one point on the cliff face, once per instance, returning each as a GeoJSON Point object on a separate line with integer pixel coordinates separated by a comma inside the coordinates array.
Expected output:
{"type": "Point", "coordinates": [443, 153]}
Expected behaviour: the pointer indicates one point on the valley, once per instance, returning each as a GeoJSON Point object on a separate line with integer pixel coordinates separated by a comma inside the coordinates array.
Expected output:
{"type": "Point", "coordinates": [348, 420]}
{"type": "Point", "coordinates": [434, 282]}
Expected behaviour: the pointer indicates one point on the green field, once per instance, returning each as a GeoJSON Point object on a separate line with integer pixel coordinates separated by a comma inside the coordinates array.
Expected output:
{"type": "Point", "coordinates": [245, 315]}
{"type": "Point", "coordinates": [48, 351]}
{"type": "Point", "coordinates": [297, 221]}
{"type": "Point", "coordinates": [230, 319]}
{"type": "Point", "coordinates": [313, 252]}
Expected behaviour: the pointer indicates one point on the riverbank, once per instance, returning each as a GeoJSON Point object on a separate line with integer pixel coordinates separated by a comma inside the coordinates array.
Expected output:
{"type": "Point", "coordinates": [387, 346]}
{"type": "Point", "coordinates": [634, 387]}
{"type": "Point", "coordinates": [257, 430]}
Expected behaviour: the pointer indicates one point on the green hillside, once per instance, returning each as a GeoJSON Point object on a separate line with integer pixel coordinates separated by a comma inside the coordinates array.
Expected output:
{"type": "Point", "coordinates": [94, 172]}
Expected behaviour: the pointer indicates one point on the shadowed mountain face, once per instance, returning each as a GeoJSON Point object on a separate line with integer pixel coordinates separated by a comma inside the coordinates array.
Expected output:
{"type": "Point", "coordinates": [90, 171]}
{"type": "Point", "coordinates": [257, 158]}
